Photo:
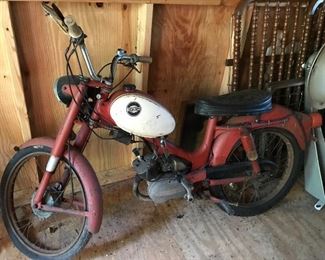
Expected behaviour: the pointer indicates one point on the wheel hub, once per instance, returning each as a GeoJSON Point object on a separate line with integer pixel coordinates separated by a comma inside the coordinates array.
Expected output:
{"type": "Point", "coordinates": [41, 214]}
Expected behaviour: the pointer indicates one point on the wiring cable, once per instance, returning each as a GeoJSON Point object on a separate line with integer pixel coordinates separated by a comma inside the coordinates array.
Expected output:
{"type": "Point", "coordinates": [68, 54]}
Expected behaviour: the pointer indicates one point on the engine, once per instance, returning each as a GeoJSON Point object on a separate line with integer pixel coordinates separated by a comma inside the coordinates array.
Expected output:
{"type": "Point", "coordinates": [164, 177]}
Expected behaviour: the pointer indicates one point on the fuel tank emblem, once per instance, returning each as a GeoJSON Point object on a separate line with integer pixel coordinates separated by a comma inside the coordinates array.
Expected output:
{"type": "Point", "coordinates": [133, 109]}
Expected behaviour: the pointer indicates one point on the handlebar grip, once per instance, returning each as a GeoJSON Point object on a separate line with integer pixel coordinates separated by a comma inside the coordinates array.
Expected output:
{"type": "Point", "coordinates": [145, 59]}
{"type": "Point", "coordinates": [74, 29]}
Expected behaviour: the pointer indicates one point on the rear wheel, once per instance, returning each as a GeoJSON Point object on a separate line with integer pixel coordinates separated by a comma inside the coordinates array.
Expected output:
{"type": "Point", "coordinates": [40, 234]}
{"type": "Point", "coordinates": [257, 194]}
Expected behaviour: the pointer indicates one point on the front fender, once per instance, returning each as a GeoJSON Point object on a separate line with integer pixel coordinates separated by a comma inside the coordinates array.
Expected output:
{"type": "Point", "coordinates": [88, 178]}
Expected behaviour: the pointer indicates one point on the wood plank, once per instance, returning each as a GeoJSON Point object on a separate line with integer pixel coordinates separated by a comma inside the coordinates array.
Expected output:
{"type": "Point", "coordinates": [189, 48]}
{"type": "Point", "coordinates": [144, 43]}
{"type": "Point", "coordinates": [144, 26]}
{"type": "Point", "coordinates": [226, 81]}
{"type": "Point", "coordinates": [178, 230]}
{"type": "Point", "coordinates": [19, 99]}
{"type": "Point", "coordinates": [15, 128]}
{"type": "Point", "coordinates": [179, 2]}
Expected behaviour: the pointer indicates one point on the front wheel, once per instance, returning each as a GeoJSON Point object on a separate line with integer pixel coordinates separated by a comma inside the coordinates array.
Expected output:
{"type": "Point", "coordinates": [41, 234]}
{"type": "Point", "coordinates": [257, 194]}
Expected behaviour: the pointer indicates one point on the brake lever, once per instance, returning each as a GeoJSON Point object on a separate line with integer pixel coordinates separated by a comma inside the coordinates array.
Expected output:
{"type": "Point", "coordinates": [55, 13]}
{"type": "Point", "coordinates": [128, 60]}
{"type": "Point", "coordinates": [58, 12]}
{"type": "Point", "coordinates": [130, 63]}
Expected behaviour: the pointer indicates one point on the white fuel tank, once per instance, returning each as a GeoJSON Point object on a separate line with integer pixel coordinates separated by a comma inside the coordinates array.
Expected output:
{"type": "Point", "coordinates": [141, 116]}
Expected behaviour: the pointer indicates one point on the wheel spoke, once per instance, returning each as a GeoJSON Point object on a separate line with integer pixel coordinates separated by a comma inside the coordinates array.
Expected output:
{"type": "Point", "coordinates": [271, 146]}
{"type": "Point", "coordinates": [48, 233]}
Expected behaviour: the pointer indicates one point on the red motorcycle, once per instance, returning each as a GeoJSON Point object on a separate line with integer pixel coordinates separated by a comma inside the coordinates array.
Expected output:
{"type": "Point", "coordinates": [249, 158]}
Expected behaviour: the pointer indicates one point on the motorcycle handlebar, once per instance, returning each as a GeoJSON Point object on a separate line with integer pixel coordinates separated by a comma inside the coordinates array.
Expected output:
{"type": "Point", "coordinates": [69, 26]}
{"type": "Point", "coordinates": [74, 29]}
{"type": "Point", "coordinates": [55, 13]}
{"type": "Point", "coordinates": [145, 59]}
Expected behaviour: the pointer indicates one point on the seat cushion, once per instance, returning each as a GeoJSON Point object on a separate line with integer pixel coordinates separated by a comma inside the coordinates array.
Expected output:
{"type": "Point", "coordinates": [244, 102]}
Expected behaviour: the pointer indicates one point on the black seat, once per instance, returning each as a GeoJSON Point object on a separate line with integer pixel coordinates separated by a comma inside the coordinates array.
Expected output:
{"type": "Point", "coordinates": [244, 102]}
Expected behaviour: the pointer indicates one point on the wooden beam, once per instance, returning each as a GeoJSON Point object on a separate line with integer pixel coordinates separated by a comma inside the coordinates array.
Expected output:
{"type": "Point", "coordinates": [227, 76]}
{"type": "Point", "coordinates": [180, 2]}
{"type": "Point", "coordinates": [15, 128]}
{"type": "Point", "coordinates": [144, 31]}
{"type": "Point", "coordinates": [7, 40]}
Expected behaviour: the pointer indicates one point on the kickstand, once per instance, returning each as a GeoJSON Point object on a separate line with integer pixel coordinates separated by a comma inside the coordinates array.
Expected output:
{"type": "Point", "coordinates": [222, 203]}
{"type": "Point", "coordinates": [315, 168]}
{"type": "Point", "coordinates": [319, 205]}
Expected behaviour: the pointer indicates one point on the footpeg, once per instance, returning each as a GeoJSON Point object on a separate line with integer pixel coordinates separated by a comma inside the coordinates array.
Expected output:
{"type": "Point", "coordinates": [226, 207]}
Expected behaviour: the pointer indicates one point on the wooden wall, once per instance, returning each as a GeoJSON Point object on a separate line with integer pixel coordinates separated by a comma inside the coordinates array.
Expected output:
{"type": "Point", "coordinates": [189, 45]}
{"type": "Point", "coordinates": [41, 52]}
{"type": "Point", "coordinates": [14, 126]}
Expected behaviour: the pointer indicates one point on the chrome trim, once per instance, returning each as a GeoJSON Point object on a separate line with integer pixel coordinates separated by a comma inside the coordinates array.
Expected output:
{"type": "Point", "coordinates": [88, 62]}
{"type": "Point", "coordinates": [52, 163]}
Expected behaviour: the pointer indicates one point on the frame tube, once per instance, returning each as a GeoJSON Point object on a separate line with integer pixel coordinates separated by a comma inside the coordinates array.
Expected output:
{"type": "Point", "coordinates": [61, 139]}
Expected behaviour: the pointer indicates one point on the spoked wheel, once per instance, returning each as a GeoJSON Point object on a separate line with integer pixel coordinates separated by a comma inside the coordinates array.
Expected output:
{"type": "Point", "coordinates": [41, 234]}
{"type": "Point", "coordinates": [258, 194]}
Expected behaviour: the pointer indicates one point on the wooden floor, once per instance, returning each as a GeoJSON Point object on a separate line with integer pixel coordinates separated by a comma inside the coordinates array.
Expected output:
{"type": "Point", "coordinates": [179, 230]}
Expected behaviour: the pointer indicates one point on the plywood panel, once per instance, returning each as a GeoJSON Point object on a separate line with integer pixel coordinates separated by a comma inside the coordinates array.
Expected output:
{"type": "Point", "coordinates": [189, 47]}
{"type": "Point", "coordinates": [14, 127]}
{"type": "Point", "coordinates": [42, 46]}
{"type": "Point", "coordinates": [188, 57]}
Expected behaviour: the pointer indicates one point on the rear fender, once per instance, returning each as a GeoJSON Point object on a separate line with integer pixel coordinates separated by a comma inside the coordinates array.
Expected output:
{"type": "Point", "coordinates": [87, 177]}
{"type": "Point", "coordinates": [298, 124]}
{"type": "Point", "coordinates": [223, 145]}
{"type": "Point", "coordinates": [299, 128]}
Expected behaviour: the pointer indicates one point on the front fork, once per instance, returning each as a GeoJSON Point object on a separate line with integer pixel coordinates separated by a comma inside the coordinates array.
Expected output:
{"type": "Point", "coordinates": [60, 142]}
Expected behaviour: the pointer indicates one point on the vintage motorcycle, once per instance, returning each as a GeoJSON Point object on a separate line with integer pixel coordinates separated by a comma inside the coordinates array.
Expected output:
{"type": "Point", "coordinates": [249, 158]}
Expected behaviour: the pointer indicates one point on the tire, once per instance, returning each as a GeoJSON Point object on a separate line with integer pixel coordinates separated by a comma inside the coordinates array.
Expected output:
{"type": "Point", "coordinates": [288, 157]}
{"type": "Point", "coordinates": [39, 234]}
